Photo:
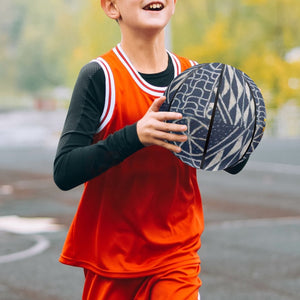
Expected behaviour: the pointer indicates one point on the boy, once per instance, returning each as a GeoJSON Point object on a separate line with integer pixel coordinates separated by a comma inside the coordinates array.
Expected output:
{"type": "Point", "coordinates": [137, 229]}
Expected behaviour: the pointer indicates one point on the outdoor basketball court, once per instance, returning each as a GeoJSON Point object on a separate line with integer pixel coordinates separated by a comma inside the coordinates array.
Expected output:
{"type": "Point", "coordinates": [251, 244]}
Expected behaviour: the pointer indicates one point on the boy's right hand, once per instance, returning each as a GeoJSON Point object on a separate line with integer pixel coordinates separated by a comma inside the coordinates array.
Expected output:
{"type": "Point", "coordinates": [153, 130]}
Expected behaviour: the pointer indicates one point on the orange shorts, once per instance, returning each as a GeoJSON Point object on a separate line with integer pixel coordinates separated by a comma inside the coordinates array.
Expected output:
{"type": "Point", "coordinates": [181, 284]}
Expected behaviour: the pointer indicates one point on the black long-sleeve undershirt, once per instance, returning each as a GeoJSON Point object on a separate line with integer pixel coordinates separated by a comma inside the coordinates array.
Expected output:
{"type": "Point", "coordinates": [78, 159]}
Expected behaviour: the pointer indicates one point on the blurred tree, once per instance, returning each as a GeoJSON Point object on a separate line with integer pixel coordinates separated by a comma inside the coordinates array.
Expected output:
{"type": "Point", "coordinates": [12, 19]}
{"type": "Point", "coordinates": [43, 47]}
{"type": "Point", "coordinates": [253, 35]}
{"type": "Point", "coordinates": [35, 44]}
{"type": "Point", "coordinates": [96, 35]}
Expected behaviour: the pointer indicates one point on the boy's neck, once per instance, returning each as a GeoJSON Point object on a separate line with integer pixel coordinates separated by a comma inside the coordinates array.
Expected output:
{"type": "Point", "coordinates": [147, 55]}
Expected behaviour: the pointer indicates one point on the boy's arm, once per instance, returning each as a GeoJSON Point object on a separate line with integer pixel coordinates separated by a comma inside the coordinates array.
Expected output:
{"type": "Point", "coordinates": [77, 159]}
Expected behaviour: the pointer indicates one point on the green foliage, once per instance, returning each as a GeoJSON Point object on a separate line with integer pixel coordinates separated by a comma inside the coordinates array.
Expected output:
{"type": "Point", "coordinates": [35, 45]}
{"type": "Point", "coordinates": [253, 35]}
{"type": "Point", "coordinates": [96, 35]}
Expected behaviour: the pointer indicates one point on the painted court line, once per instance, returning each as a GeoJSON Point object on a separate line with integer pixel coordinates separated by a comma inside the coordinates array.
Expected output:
{"type": "Point", "coordinates": [41, 245]}
{"type": "Point", "coordinates": [30, 227]}
{"type": "Point", "coordinates": [23, 225]}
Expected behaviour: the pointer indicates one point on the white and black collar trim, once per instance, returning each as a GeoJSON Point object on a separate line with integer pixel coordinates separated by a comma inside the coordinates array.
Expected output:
{"type": "Point", "coordinates": [143, 84]}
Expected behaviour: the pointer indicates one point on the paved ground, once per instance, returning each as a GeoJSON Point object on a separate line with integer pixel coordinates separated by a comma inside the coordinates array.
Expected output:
{"type": "Point", "coordinates": [251, 245]}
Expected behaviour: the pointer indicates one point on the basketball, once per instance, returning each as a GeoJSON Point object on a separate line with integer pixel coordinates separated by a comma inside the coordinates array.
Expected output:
{"type": "Point", "coordinates": [224, 112]}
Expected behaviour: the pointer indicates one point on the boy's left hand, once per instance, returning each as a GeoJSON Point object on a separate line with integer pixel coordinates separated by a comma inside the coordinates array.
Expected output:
{"type": "Point", "coordinates": [153, 130]}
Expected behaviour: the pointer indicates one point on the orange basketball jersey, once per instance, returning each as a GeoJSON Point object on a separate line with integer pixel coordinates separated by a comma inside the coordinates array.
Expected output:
{"type": "Point", "coordinates": [143, 215]}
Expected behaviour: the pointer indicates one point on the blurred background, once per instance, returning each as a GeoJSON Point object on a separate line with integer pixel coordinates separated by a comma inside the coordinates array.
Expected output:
{"type": "Point", "coordinates": [251, 245]}
{"type": "Point", "coordinates": [44, 45]}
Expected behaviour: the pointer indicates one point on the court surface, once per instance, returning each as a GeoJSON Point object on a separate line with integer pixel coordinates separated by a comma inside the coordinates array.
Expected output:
{"type": "Point", "coordinates": [250, 247]}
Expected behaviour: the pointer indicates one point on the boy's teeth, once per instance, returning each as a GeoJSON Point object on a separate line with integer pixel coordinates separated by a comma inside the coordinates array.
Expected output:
{"type": "Point", "coordinates": [155, 6]}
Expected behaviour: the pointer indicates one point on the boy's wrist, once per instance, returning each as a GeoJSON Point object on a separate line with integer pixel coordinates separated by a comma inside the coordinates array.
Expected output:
{"type": "Point", "coordinates": [127, 142]}
{"type": "Point", "coordinates": [133, 138]}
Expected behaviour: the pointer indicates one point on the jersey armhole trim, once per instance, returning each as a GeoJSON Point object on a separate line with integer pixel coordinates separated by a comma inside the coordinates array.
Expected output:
{"type": "Point", "coordinates": [176, 64]}
{"type": "Point", "coordinates": [110, 94]}
{"type": "Point", "coordinates": [193, 63]}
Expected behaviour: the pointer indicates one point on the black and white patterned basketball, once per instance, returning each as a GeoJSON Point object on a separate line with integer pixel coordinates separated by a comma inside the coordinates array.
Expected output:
{"type": "Point", "coordinates": [224, 112]}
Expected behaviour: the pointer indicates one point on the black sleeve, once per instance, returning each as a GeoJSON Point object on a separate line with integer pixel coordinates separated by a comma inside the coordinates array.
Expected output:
{"type": "Point", "coordinates": [78, 159]}
{"type": "Point", "coordinates": [237, 168]}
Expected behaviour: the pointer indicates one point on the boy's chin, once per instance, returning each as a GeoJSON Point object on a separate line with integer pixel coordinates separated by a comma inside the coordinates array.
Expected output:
{"type": "Point", "coordinates": [158, 25]}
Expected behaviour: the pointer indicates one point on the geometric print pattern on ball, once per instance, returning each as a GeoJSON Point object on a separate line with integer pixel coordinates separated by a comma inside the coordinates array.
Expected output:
{"type": "Point", "coordinates": [224, 112]}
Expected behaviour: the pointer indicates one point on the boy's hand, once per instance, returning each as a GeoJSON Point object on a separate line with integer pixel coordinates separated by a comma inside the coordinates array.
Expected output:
{"type": "Point", "coordinates": [153, 130]}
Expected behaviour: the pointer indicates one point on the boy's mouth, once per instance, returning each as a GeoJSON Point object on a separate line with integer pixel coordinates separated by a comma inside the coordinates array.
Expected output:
{"type": "Point", "coordinates": [155, 6]}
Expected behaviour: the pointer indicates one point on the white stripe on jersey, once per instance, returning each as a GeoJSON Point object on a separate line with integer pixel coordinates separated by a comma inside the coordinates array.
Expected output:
{"type": "Point", "coordinates": [193, 63]}
{"type": "Point", "coordinates": [176, 64]}
{"type": "Point", "coordinates": [110, 93]}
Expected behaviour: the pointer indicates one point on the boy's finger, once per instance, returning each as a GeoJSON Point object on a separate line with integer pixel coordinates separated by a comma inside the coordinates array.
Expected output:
{"type": "Point", "coordinates": [168, 116]}
{"type": "Point", "coordinates": [172, 137]}
{"type": "Point", "coordinates": [167, 127]}
{"type": "Point", "coordinates": [170, 147]}
{"type": "Point", "coordinates": [157, 103]}
{"type": "Point", "coordinates": [163, 115]}
{"type": "Point", "coordinates": [161, 126]}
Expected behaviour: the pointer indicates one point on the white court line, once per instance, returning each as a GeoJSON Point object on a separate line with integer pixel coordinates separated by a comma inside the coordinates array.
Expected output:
{"type": "Point", "coordinates": [8, 189]}
{"type": "Point", "coordinates": [41, 245]}
{"type": "Point", "coordinates": [273, 167]}
{"type": "Point", "coordinates": [21, 225]}
{"type": "Point", "coordinates": [26, 226]}
{"type": "Point", "coordinates": [253, 223]}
